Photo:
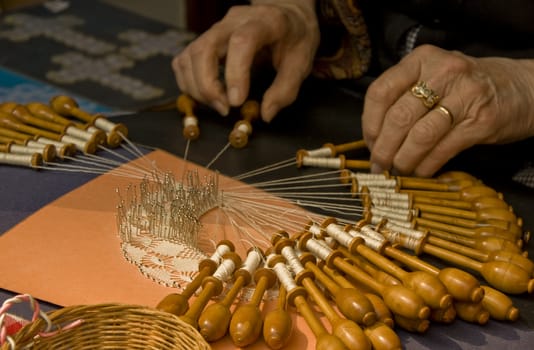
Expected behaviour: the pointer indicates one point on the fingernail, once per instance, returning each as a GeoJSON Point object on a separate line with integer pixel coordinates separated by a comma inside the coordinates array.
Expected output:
{"type": "Point", "coordinates": [220, 107]}
{"type": "Point", "coordinates": [269, 113]}
{"type": "Point", "coordinates": [376, 169]}
{"type": "Point", "coordinates": [233, 96]}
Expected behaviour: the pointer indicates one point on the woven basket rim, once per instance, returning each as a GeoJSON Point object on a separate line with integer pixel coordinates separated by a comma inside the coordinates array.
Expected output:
{"type": "Point", "coordinates": [133, 326]}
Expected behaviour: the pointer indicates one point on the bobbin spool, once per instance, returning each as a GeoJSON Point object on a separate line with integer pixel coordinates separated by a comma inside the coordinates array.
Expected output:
{"type": "Point", "coordinates": [48, 152]}
{"type": "Point", "coordinates": [297, 297]}
{"type": "Point", "coordinates": [9, 122]}
{"type": "Point", "coordinates": [412, 306]}
{"type": "Point", "coordinates": [178, 303]}
{"type": "Point", "coordinates": [185, 104]}
{"type": "Point", "coordinates": [211, 286]}
{"type": "Point", "coordinates": [278, 324]}
{"type": "Point", "coordinates": [246, 323]}
{"type": "Point", "coordinates": [44, 112]}
{"type": "Point", "coordinates": [239, 135]}
{"type": "Point", "coordinates": [331, 150]}
{"type": "Point", "coordinates": [28, 160]}
{"type": "Point", "coordinates": [214, 320]}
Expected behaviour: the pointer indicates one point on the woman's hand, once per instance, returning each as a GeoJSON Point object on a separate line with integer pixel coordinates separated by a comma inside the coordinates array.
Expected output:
{"type": "Point", "coordinates": [480, 101]}
{"type": "Point", "coordinates": [290, 31]}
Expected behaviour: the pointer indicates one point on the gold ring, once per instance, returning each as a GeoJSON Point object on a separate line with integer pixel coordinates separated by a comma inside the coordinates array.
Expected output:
{"type": "Point", "coordinates": [422, 91]}
{"type": "Point", "coordinates": [446, 111]}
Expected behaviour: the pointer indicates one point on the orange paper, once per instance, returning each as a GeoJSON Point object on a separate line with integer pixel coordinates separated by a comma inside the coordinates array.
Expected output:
{"type": "Point", "coordinates": [68, 252]}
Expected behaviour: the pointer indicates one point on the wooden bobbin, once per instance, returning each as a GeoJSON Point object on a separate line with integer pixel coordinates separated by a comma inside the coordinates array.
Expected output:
{"type": "Point", "coordinates": [426, 285]}
{"type": "Point", "coordinates": [297, 297]}
{"type": "Point", "coordinates": [278, 324]}
{"type": "Point", "coordinates": [504, 276]}
{"type": "Point", "coordinates": [485, 244]}
{"type": "Point", "coordinates": [9, 122]}
{"type": "Point", "coordinates": [48, 152]}
{"type": "Point", "coordinates": [185, 104]}
{"type": "Point", "coordinates": [468, 194]}
{"type": "Point", "coordinates": [62, 149]}
{"type": "Point", "coordinates": [411, 325]}
{"type": "Point", "coordinates": [352, 303]}
{"type": "Point", "coordinates": [331, 150]}
{"type": "Point", "coordinates": [246, 323]}
{"type": "Point", "coordinates": [28, 160]}
{"type": "Point", "coordinates": [347, 330]}
{"type": "Point", "coordinates": [67, 106]}
{"type": "Point", "coordinates": [412, 305]}
{"type": "Point", "coordinates": [499, 305]}
{"type": "Point", "coordinates": [44, 112]}
{"type": "Point", "coordinates": [250, 111]}
{"type": "Point", "coordinates": [211, 286]}
{"type": "Point", "coordinates": [483, 256]}
{"type": "Point", "coordinates": [477, 215]}
{"type": "Point", "coordinates": [472, 312]}
{"type": "Point", "coordinates": [214, 320]}
{"type": "Point", "coordinates": [447, 315]}
{"type": "Point", "coordinates": [432, 184]}
{"type": "Point", "coordinates": [178, 303]}
{"type": "Point", "coordinates": [478, 232]}
{"type": "Point", "coordinates": [383, 313]}
{"type": "Point", "coordinates": [460, 284]}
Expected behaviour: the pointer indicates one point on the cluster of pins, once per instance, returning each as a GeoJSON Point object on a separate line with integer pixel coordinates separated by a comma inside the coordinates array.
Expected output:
{"type": "Point", "coordinates": [167, 209]}
{"type": "Point", "coordinates": [351, 285]}
{"type": "Point", "coordinates": [40, 135]}
{"type": "Point", "coordinates": [238, 137]}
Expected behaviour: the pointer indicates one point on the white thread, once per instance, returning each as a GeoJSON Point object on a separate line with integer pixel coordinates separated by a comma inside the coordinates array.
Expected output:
{"type": "Point", "coordinates": [390, 214]}
{"type": "Point", "coordinates": [390, 203]}
{"type": "Point", "coordinates": [336, 232]}
{"type": "Point", "coordinates": [284, 276]}
{"type": "Point", "coordinates": [315, 230]}
{"type": "Point", "coordinates": [225, 270]}
{"type": "Point", "coordinates": [292, 260]}
{"type": "Point", "coordinates": [78, 133]}
{"type": "Point", "coordinates": [190, 120]}
{"type": "Point", "coordinates": [405, 230]}
{"type": "Point", "coordinates": [334, 163]}
{"type": "Point", "coordinates": [369, 231]}
{"type": "Point", "coordinates": [80, 144]}
{"type": "Point", "coordinates": [16, 159]}
{"type": "Point", "coordinates": [105, 124]}
{"type": "Point", "coordinates": [320, 251]}
{"type": "Point", "coordinates": [219, 252]}
{"type": "Point", "coordinates": [252, 261]}
{"type": "Point", "coordinates": [379, 194]}
{"type": "Point", "coordinates": [243, 127]}
{"type": "Point", "coordinates": [320, 152]}
{"type": "Point", "coordinates": [367, 176]}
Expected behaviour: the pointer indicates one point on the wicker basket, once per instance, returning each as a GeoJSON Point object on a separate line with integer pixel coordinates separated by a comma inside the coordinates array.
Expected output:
{"type": "Point", "coordinates": [111, 326]}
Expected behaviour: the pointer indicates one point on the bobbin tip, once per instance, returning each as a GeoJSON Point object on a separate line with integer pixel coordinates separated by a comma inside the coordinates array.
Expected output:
{"type": "Point", "coordinates": [49, 153]}
{"type": "Point", "coordinates": [36, 160]}
{"type": "Point", "coordinates": [238, 138]}
{"type": "Point", "coordinates": [512, 314]}
{"type": "Point", "coordinates": [477, 294]}
{"type": "Point", "coordinates": [191, 132]}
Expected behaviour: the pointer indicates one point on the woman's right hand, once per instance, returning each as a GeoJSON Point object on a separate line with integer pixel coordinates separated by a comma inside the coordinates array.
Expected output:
{"type": "Point", "coordinates": [290, 31]}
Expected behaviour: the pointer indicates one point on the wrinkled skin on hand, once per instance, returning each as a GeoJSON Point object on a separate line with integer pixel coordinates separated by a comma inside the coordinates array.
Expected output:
{"type": "Point", "coordinates": [491, 100]}
{"type": "Point", "coordinates": [287, 29]}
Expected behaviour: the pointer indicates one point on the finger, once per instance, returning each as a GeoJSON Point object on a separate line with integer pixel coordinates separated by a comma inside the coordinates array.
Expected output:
{"type": "Point", "coordinates": [244, 44]}
{"type": "Point", "coordinates": [457, 140]}
{"type": "Point", "coordinates": [398, 122]}
{"type": "Point", "coordinates": [423, 137]}
{"type": "Point", "coordinates": [205, 55]}
{"type": "Point", "coordinates": [382, 94]}
{"type": "Point", "coordinates": [292, 71]}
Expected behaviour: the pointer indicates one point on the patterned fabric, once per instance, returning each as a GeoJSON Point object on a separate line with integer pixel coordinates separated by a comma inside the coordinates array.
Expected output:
{"type": "Point", "coordinates": [352, 58]}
